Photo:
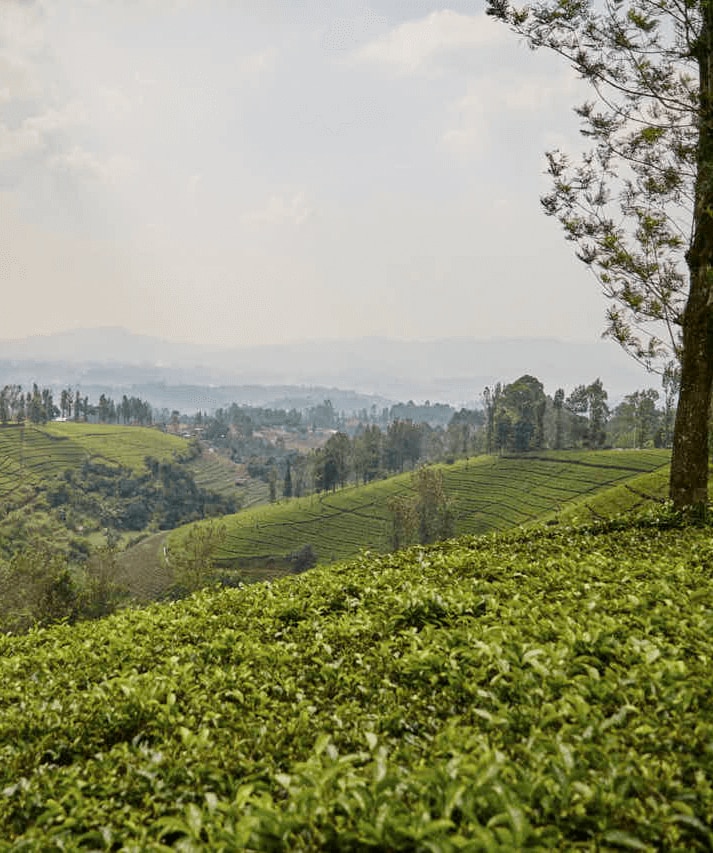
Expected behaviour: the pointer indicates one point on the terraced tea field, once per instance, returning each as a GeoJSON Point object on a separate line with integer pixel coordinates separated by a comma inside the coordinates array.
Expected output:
{"type": "Point", "coordinates": [32, 455]}
{"type": "Point", "coordinates": [216, 473]}
{"type": "Point", "coordinates": [42, 494]}
{"type": "Point", "coordinates": [488, 494]}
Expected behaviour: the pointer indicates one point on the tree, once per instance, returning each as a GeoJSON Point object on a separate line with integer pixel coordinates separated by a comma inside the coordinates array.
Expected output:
{"type": "Point", "coordinates": [403, 521]}
{"type": "Point", "coordinates": [36, 588]}
{"type": "Point", "coordinates": [639, 204]}
{"type": "Point", "coordinates": [194, 562]}
{"type": "Point", "coordinates": [272, 483]}
{"type": "Point", "coordinates": [367, 454]}
{"type": "Point", "coordinates": [337, 452]}
{"type": "Point", "coordinates": [433, 507]}
{"type": "Point", "coordinates": [425, 517]}
{"type": "Point", "coordinates": [598, 414]}
{"type": "Point", "coordinates": [287, 482]}
{"type": "Point", "coordinates": [401, 445]}
{"type": "Point", "coordinates": [558, 406]}
{"type": "Point", "coordinates": [515, 415]}
{"type": "Point", "coordinates": [636, 419]}
{"type": "Point", "coordinates": [490, 404]}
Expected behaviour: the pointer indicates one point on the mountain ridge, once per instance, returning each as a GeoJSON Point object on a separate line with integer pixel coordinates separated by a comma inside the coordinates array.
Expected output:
{"type": "Point", "coordinates": [453, 370]}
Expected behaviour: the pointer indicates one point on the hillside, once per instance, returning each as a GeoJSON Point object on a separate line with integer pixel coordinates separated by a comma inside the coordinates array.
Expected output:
{"type": "Point", "coordinates": [538, 690]}
{"type": "Point", "coordinates": [32, 455]}
{"type": "Point", "coordinates": [67, 482]}
{"type": "Point", "coordinates": [489, 493]}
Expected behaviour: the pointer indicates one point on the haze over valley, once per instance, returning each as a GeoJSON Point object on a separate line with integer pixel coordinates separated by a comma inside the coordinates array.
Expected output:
{"type": "Point", "coordinates": [376, 370]}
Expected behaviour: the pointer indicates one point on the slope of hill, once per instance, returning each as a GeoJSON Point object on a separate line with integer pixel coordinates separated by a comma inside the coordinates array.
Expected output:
{"type": "Point", "coordinates": [32, 455]}
{"type": "Point", "coordinates": [488, 493]}
{"type": "Point", "coordinates": [62, 482]}
{"type": "Point", "coordinates": [541, 691]}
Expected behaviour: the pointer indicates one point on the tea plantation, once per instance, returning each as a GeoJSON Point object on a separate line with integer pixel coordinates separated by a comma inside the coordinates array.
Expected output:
{"type": "Point", "coordinates": [487, 493]}
{"type": "Point", "coordinates": [538, 690]}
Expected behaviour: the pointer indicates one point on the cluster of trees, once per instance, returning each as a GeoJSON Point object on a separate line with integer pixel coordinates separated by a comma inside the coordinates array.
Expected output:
{"type": "Point", "coordinates": [517, 417]}
{"type": "Point", "coordinates": [131, 410]}
{"type": "Point", "coordinates": [372, 453]}
{"type": "Point", "coordinates": [521, 417]}
{"type": "Point", "coordinates": [242, 421]}
{"type": "Point", "coordinates": [119, 499]}
{"type": "Point", "coordinates": [38, 406]}
{"type": "Point", "coordinates": [39, 586]}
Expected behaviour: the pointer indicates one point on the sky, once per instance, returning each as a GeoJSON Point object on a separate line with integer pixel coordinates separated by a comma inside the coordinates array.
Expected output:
{"type": "Point", "coordinates": [269, 171]}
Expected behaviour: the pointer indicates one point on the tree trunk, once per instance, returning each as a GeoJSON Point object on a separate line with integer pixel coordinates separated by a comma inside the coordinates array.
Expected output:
{"type": "Point", "coordinates": [689, 460]}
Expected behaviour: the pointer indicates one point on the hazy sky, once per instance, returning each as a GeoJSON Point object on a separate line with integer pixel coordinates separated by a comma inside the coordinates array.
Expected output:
{"type": "Point", "coordinates": [260, 171]}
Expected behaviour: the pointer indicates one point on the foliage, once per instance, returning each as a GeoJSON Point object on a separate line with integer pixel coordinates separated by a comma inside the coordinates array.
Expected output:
{"type": "Point", "coordinates": [36, 588]}
{"type": "Point", "coordinates": [627, 204]}
{"type": "Point", "coordinates": [515, 416]}
{"type": "Point", "coordinates": [403, 521]}
{"type": "Point", "coordinates": [39, 587]}
{"type": "Point", "coordinates": [545, 691]}
{"type": "Point", "coordinates": [63, 481]}
{"type": "Point", "coordinates": [303, 559]}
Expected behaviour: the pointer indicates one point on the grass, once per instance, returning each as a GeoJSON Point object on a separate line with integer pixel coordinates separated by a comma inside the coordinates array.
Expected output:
{"type": "Point", "coordinates": [541, 690]}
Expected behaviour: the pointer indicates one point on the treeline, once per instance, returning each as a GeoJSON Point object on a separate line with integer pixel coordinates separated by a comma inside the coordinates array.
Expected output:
{"type": "Point", "coordinates": [370, 454]}
{"type": "Point", "coordinates": [245, 420]}
{"type": "Point", "coordinates": [38, 406]}
{"type": "Point", "coordinates": [517, 417]}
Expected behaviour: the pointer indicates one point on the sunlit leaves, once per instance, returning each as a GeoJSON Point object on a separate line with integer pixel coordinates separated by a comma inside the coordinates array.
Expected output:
{"type": "Point", "coordinates": [543, 690]}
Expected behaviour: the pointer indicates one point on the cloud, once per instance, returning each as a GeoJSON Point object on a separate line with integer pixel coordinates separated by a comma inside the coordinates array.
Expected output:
{"type": "Point", "coordinates": [494, 100]}
{"type": "Point", "coordinates": [80, 162]}
{"type": "Point", "coordinates": [19, 142]}
{"type": "Point", "coordinates": [23, 44]}
{"type": "Point", "coordinates": [344, 34]}
{"type": "Point", "coordinates": [281, 210]}
{"type": "Point", "coordinates": [417, 46]}
{"type": "Point", "coordinates": [38, 132]}
{"type": "Point", "coordinates": [262, 62]}
{"type": "Point", "coordinates": [53, 120]}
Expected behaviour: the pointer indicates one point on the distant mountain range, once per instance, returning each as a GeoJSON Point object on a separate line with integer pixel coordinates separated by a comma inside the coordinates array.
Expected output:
{"type": "Point", "coordinates": [376, 370]}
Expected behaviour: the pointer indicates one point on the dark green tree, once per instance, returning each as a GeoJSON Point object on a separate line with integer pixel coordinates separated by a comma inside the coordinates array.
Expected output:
{"type": "Point", "coordinates": [287, 483]}
{"type": "Point", "coordinates": [367, 454]}
{"type": "Point", "coordinates": [639, 204]}
{"type": "Point", "coordinates": [337, 453]}
{"type": "Point", "coordinates": [558, 405]}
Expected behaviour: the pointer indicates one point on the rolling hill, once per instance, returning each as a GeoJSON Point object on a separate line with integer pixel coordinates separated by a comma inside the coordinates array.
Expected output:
{"type": "Point", "coordinates": [488, 494]}
{"type": "Point", "coordinates": [65, 482]}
